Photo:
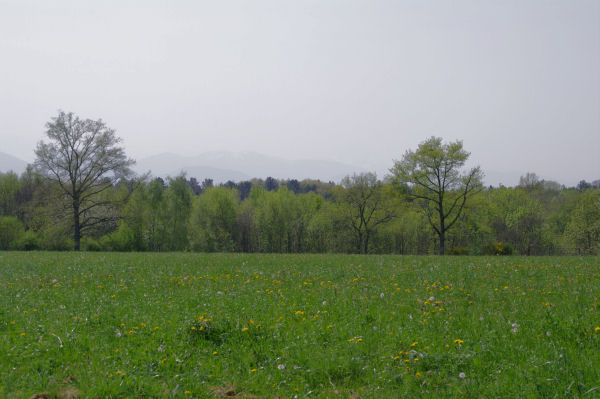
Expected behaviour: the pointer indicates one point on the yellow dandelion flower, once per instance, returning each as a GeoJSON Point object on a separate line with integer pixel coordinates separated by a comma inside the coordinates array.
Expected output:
{"type": "Point", "coordinates": [418, 375]}
{"type": "Point", "coordinates": [458, 341]}
{"type": "Point", "coordinates": [597, 329]}
{"type": "Point", "coordinates": [414, 344]}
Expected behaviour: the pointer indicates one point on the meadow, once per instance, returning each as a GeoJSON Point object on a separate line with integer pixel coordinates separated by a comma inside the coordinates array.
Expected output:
{"type": "Point", "coordinates": [112, 325]}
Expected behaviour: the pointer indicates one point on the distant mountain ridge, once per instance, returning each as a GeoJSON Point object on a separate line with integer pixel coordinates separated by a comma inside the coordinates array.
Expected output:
{"type": "Point", "coordinates": [223, 166]}
{"type": "Point", "coordinates": [11, 163]}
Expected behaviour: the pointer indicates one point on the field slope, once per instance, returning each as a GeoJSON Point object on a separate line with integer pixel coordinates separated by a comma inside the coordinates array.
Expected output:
{"type": "Point", "coordinates": [195, 325]}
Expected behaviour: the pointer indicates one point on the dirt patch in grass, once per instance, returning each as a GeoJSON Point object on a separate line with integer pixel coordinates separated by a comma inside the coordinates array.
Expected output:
{"type": "Point", "coordinates": [63, 394]}
{"type": "Point", "coordinates": [230, 391]}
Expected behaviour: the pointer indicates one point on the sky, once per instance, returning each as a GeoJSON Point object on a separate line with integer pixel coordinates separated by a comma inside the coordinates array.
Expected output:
{"type": "Point", "coordinates": [362, 82]}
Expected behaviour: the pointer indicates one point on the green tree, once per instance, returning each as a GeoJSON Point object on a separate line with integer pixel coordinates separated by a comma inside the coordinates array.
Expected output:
{"type": "Point", "coordinates": [178, 210]}
{"type": "Point", "coordinates": [9, 188]}
{"type": "Point", "coordinates": [517, 218]}
{"type": "Point", "coordinates": [433, 177]}
{"type": "Point", "coordinates": [583, 230]}
{"type": "Point", "coordinates": [212, 224]}
{"type": "Point", "coordinates": [84, 158]}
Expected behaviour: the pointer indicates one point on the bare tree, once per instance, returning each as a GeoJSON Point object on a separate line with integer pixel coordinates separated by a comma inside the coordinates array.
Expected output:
{"type": "Point", "coordinates": [84, 158]}
{"type": "Point", "coordinates": [434, 178]}
{"type": "Point", "coordinates": [367, 206]}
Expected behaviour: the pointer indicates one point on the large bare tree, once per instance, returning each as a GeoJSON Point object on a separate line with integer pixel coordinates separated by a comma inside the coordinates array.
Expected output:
{"type": "Point", "coordinates": [434, 177]}
{"type": "Point", "coordinates": [367, 206]}
{"type": "Point", "coordinates": [85, 159]}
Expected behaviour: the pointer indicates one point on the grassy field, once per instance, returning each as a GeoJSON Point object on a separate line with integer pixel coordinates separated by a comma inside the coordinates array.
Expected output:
{"type": "Point", "coordinates": [307, 326]}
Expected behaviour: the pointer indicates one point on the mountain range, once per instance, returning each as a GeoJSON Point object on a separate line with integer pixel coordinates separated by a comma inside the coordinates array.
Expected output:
{"type": "Point", "coordinates": [11, 163]}
{"type": "Point", "coordinates": [223, 166]}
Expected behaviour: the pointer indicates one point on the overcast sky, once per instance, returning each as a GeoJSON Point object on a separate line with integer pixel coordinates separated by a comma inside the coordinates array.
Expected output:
{"type": "Point", "coordinates": [354, 81]}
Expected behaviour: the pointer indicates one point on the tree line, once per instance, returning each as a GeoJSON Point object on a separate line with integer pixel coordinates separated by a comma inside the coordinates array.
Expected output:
{"type": "Point", "coordinates": [81, 194]}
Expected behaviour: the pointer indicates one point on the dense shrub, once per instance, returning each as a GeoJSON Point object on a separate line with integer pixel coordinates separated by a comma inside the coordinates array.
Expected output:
{"type": "Point", "coordinates": [122, 240]}
{"type": "Point", "coordinates": [459, 251]}
{"type": "Point", "coordinates": [11, 230]}
{"type": "Point", "coordinates": [56, 238]}
{"type": "Point", "coordinates": [29, 241]}
{"type": "Point", "coordinates": [498, 248]}
{"type": "Point", "coordinates": [91, 244]}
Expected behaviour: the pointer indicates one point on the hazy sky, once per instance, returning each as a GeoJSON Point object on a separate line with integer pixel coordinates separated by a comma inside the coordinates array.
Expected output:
{"type": "Point", "coordinates": [354, 81]}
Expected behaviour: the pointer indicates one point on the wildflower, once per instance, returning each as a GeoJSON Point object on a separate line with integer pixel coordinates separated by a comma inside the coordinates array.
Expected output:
{"type": "Point", "coordinates": [253, 371]}
{"type": "Point", "coordinates": [22, 334]}
{"type": "Point", "coordinates": [418, 375]}
{"type": "Point", "coordinates": [597, 329]}
{"type": "Point", "coordinates": [244, 329]}
{"type": "Point", "coordinates": [281, 366]}
{"type": "Point", "coordinates": [458, 341]}
{"type": "Point", "coordinates": [188, 392]}
{"type": "Point", "coordinates": [414, 344]}
{"type": "Point", "coordinates": [462, 375]}
{"type": "Point", "coordinates": [215, 352]}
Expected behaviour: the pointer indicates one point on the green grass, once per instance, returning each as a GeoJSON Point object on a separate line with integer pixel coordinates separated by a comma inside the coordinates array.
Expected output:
{"type": "Point", "coordinates": [135, 325]}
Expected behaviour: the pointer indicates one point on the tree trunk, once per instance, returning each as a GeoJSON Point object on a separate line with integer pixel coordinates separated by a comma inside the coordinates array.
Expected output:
{"type": "Point", "coordinates": [360, 242]}
{"type": "Point", "coordinates": [442, 227]}
{"type": "Point", "coordinates": [76, 225]}
{"type": "Point", "coordinates": [366, 247]}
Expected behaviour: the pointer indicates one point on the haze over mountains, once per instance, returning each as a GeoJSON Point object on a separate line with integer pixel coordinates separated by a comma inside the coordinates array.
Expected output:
{"type": "Point", "coordinates": [11, 163]}
{"type": "Point", "coordinates": [222, 166]}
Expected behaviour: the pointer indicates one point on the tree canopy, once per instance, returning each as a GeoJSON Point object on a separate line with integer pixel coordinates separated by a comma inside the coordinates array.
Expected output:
{"type": "Point", "coordinates": [433, 174]}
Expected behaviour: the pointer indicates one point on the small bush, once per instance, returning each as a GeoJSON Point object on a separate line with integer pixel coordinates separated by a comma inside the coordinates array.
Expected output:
{"type": "Point", "coordinates": [28, 242]}
{"type": "Point", "coordinates": [121, 240]}
{"type": "Point", "coordinates": [56, 238]}
{"type": "Point", "coordinates": [498, 248]}
{"type": "Point", "coordinates": [91, 244]}
{"type": "Point", "coordinates": [459, 251]}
